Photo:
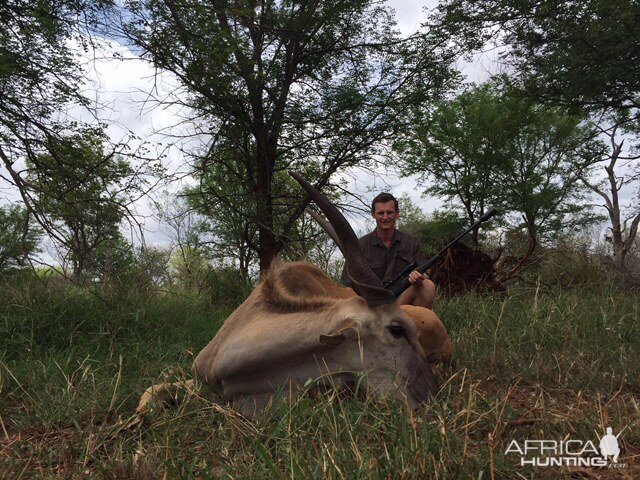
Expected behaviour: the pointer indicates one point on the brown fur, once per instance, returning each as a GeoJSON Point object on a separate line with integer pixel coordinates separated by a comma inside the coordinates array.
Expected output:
{"type": "Point", "coordinates": [299, 287]}
{"type": "Point", "coordinates": [432, 335]}
{"type": "Point", "coordinates": [463, 270]}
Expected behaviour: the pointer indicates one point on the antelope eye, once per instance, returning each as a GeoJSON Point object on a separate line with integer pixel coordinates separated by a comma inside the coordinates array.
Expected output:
{"type": "Point", "coordinates": [396, 330]}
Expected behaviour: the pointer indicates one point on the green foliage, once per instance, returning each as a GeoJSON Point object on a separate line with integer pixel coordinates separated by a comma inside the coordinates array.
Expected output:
{"type": "Point", "coordinates": [18, 237]}
{"type": "Point", "coordinates": [549, 151]}
{"type": "Point", "coordinates": [37, 71]}
{"type": "Point", "coordinates": [490, 147]}
{"type": "Point", "coordinates": [577, 53]}
{"type": "Point", "coordinates": [188, 265]}
{"type": "Point", "coordinates": [193, 272]}
{"type": "Point", "coordinates": [80, 192]}
{"type": "Point", "coordinates": [437, 230]}
{"type": "Point", "coordinates": [409, 213]}
{"type": "Point", "coordinates": [225, 287]}
{"type": "Point", "coordinates": [39, 76]}
{"type": "Point", "coordinates": [458, 146]}
{"type": "Point", "coordinates": [152, 264]}
{"type": "Point", "coordinates": [227, 233]}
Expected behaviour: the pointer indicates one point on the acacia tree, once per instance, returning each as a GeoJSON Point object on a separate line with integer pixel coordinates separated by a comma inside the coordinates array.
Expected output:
{"type": "Point", "coordinates": [458, 145]}
{"type": "Point", "coordinates": [584, 53]}
{"type": "Point", "coordinates": [80, 195]}
{"type": "Point", "coordinates": [305, 85]}
{"type": "Point", "coordinates": [226, 225]}
{"type": "Point", "coordinates": [547, 152]}
{"type": "Point", "coordinates": [226, 207]}
{"type": "Point", "coordinates": [488, 147]}
{"type": "Point", "coordinates": [54, 163]}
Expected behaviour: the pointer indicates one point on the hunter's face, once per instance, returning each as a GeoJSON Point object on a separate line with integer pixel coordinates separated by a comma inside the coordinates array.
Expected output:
{"type": "Point", "coordinates": [385, 215]}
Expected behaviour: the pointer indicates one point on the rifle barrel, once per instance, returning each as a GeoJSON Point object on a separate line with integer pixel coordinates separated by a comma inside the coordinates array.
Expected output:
{"type": "Point", "coordinates": [404, 284]}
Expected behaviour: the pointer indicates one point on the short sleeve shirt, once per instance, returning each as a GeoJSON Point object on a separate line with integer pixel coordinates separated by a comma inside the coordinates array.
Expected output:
{"type": "Point", "coordinates": [385, 262]}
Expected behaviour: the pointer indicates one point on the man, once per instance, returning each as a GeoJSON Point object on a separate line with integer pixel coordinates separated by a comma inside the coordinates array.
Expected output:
{"type": "Point", "coordinates": [388, 251]}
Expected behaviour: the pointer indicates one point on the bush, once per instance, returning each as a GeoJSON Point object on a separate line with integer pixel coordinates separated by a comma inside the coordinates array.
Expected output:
{"type": "Point", "coordinates": [435, 232]}
{"type": "Point", "coordinates": [573, 261]}
{"type": "Point", "coordinates": [18, 237]}
{"type": "Point", "coordinates": [225, 287]}
{"type": "Point", "coordinates": [569, 263]}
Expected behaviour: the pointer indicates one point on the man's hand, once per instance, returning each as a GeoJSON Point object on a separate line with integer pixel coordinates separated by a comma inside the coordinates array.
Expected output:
{"type": "Point", "coordinates": [416, 278]}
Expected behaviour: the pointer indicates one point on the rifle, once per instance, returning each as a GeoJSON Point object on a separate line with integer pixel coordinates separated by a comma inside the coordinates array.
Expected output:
{"type": "Point", "coordinates": [401, 282]}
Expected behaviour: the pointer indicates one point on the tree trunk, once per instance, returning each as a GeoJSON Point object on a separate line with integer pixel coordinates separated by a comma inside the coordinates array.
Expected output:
{"type": "Point", "coordinates": [619, 255]}
{"type": "Point", "coordinates": [268, 244]}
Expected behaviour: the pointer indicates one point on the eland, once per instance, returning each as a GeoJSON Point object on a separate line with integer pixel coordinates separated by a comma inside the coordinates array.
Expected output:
{"type": "Point", "coordinates": [298, 329]}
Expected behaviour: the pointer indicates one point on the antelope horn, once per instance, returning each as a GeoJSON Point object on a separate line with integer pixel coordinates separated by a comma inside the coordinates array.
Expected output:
{"type": "Point", "coordinates": [365, 282]}
{"type": "Point", "coordinates": [326, 226]}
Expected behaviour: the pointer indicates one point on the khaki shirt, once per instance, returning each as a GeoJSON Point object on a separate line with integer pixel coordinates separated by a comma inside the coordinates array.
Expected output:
{"type": "Point", "coordinates": [385, 262]}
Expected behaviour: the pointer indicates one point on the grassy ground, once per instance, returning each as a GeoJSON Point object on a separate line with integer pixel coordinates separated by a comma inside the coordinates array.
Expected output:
{"type": "Point", "coordinates": [527, 365]}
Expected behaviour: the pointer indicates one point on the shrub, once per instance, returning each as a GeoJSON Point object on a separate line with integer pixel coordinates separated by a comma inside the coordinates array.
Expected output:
{"type": "Point", "coordinates": [225, 287]}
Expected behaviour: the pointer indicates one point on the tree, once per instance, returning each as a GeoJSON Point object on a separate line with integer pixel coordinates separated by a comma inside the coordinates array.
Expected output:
{"type": "Point", "coordinates": [549, 153]}
{"type": "Point", "coordinates": [40, 80]}
{"type": "Point", "coordinates": [583, 53]}
{"type": "Point", "coordinates": [39, 77]}
{"type": "Point", "coordinates": [18, 237]}
{"type": "Point", "coordinates": [80, 195]}
{"type": "Point", "coordinates": [458, 146]}
{"type": "Point", "coordinates": [190, 253]}
{"type": "Point", "coordinates": [305, 85]}
{"type": "Point", "coordinates": [410, 213]}
{"type": "Point", "coordinates": [624, 224]}
{"type": "Point", "coordinates": [488, 147]}
{"type": "Point", "coordinates": [226, 210]}
{"type": "Point", "coordinates": [226, 227]}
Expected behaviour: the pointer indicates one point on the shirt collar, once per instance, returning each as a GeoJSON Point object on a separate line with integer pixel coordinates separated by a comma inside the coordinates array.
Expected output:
{"type": "Point", "coordinates": [376, 241]}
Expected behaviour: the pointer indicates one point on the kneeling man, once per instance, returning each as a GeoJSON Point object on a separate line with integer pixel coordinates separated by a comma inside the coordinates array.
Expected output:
{"type": "Point", "coordinates": [389, 250]}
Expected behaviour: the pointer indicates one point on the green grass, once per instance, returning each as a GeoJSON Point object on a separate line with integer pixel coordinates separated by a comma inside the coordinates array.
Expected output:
{"type": "Point", "coordinates": [526, 365]}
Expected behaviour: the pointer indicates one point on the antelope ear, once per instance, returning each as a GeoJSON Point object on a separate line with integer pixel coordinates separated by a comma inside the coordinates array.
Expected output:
{"type": "Point", "coordinates": [432, 335]}
{"type": "Point", "coordinates": [339, 337]}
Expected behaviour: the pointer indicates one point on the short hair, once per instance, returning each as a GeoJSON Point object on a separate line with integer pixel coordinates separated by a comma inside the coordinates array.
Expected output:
{"type": "Point", "coordinates": [383, 197]}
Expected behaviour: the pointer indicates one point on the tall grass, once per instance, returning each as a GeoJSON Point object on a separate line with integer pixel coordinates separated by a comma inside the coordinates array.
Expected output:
{"type": "Point", "coordinates": [527, 364]}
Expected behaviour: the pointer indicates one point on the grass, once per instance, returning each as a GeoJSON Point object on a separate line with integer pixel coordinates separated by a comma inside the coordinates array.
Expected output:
{"type": "Point", "coordinates": [526, 365]}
